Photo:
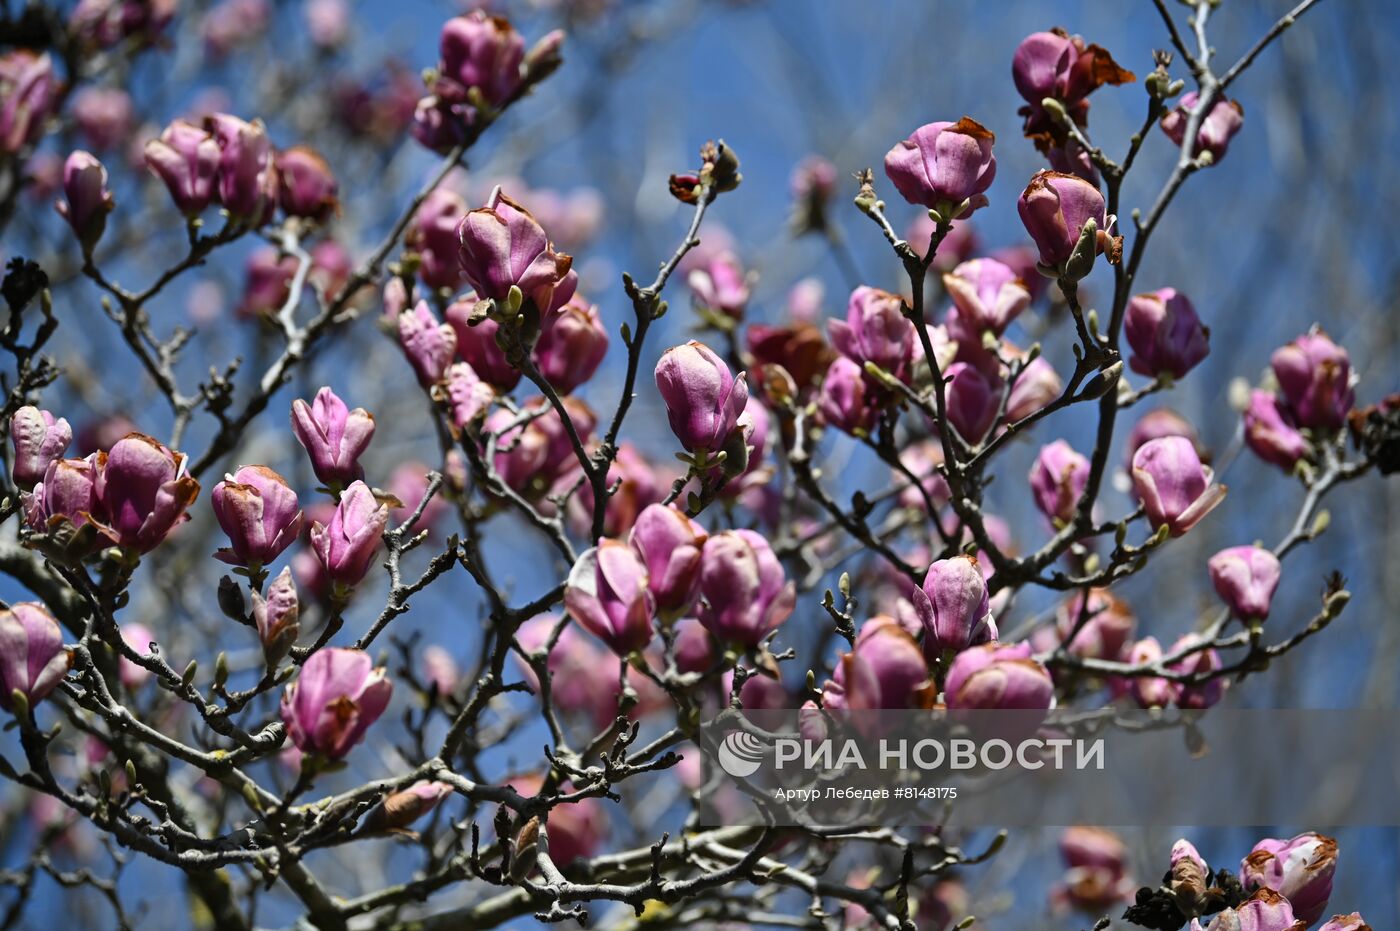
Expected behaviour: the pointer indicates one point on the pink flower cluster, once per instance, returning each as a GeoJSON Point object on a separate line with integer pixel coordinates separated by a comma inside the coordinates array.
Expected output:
{"type": "Point", "coordinates": [231, 162]}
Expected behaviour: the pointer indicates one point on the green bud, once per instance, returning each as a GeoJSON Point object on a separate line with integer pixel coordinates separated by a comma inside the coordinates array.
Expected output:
{"type": "Point", "coordinates": [515, 299]}
{"type": "Point", "coordinates": [250, 796]}
{"type": "Point", "coordinates": [1057, 110]}
{"type": "Point", "coordinates": [1103, 381]}
{"type": "Point", "coordinates": [724, 167]}
{"type": "Point", "coordinates": [1081, 260]}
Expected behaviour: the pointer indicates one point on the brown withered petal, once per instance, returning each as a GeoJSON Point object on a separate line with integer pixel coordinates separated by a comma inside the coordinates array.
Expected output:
{"type": "Point", "coordinates": [1102, 69]}
{"type": "Point", "coordinates": [970, 127]}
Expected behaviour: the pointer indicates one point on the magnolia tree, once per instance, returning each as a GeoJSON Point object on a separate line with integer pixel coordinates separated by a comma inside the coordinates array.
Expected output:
{"type": "Point", "coordinates": [206, 664]}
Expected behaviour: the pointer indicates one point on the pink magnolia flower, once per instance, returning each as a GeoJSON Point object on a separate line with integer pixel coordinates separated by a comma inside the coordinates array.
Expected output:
{"type": "Point", "coordinates": [428, 345]}
{"type": "Point", "coordinates": [1071, 158]}
{"type": "Point", "coordinates": [275, 616]}
{"type": "Point", "coordinates": [1299, 869]}
{"type": "Point", "coordinates": [993, 676]}
{"type": "Point", "coordinates": [1270, 432]}
{"type": "Point", "coordinates": [306, 186]}
{"type": "Point", "coordinates": [409, 483]}
{"type": "Point", "coordinates": [338, 695]}
{"type": "Point", "coordinates": [247, 178]}
{"type": "Point", "coordinates": [1096, 870]}
{"type": "Point", "coordinates": [483, 52]}
{"type": "Point", "coordinates": [105, 23]}
{"type": "Point", "coordinates": [347, 545]}
{"type": "Point", "coordinates": [258, 511]}
{"type": "Point", "coordinates": [186, 158]}
{"type": "Point", "coordinates": [532, 458]}
{"type": "Point", "coordinates": [1149, 691]}
{"type": "Point", "coordinates": [104, 116]}
{"type": "Point", "coordinates": [607, 592]}
{"type": "Point", "coordinates": [38, 439]}
{"type": "Point", "coordinates": [33, 659]}
{"type": "Point", "coordinates": [1245, 578]}
{"type": "Point", "coordinates": [669, 543]}
{"type": "Point", "coordinates": [571, 346]}
{"type": "Point", "coordinates": [703, 398]}
{"type": "Point", "coordinates": [847, 402]}
{"type": "Point", "coordinates": [1155, 425]}
{"type": "Point", "coordinates": [573, 217]}
{"type": "Point", "coordinates": [942, 165]}
{"type": "Point", "coordinates": [638, 484]}
{"type": "Point", "coordinates": [1175, 489]}
{"type": "Point", "coordinates": [438, 122]}
{"type": "Point", "coordinates": [1055, 208]}
{"type": "Point", "coordinates": [476, 345]}
{"type": "Point", "coordinates": [67, 493]}
{"type": "Point", "coordinates": [987, 296]}
{"type": "Point", "coordinates": [875, 330]}
{"type": "Point", "coordinates": [1062, 67]}
{"type": "Point", "coordinates": [1265, 911]}
{"type": "Point", "coordinates": [144, 492]}
{"type": "Point", "coordinates": [953, 606]}
{"type": "Point", "coordinates": [720, 285]}
{"type": "Point", "coordinates": [576, 829]}
{"type": "Point", "coordinates": [331, 265]}
{"type": "Point", "coordinates": [1058, 479]}
{"type": "Point", "coordinates": [1036, 386]}
{"type": "Point", "coordinates": [1314, 377]}
{"type": "Point", "coordinates": [1023, 260]}
{"type": "Point", "coordinates": [231, 23]}
{"type": "Point", "coordinates": [433, 235]}
{"type": "Point", "coordinates": [1166, 335]}
{"type": "Point", "coordinates": [86, 200]}
{"type": "Point", "coordinates": [695, 648]}
{"type": "Point", "coordinates": [503, 247]}
{"type": "Point", "coordinates": [972, 399]}
{"type": "Point", "coordinates": [467, 393]}
{"type": "Point", "coordinates": [1219, 126]}
{"type": "Point", "coordinates": [267, 283]}
{"type": "Point", "coordinates": [1107, 627]}
{"type": "Point", "coordinates": [885, 670]}
{"type": "Point", "coordinates": [333, 436]}
{"type": "Point", "coordinates": [28, 95]}
{"type": "Point", "coordinates": [583, 677]}
{"type": "Point", "coordinates": [1201, 662]}
{"type": "Point", "coordinates": [746, 592]}
{"type": "Point", "coordinates": [755, 424]}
